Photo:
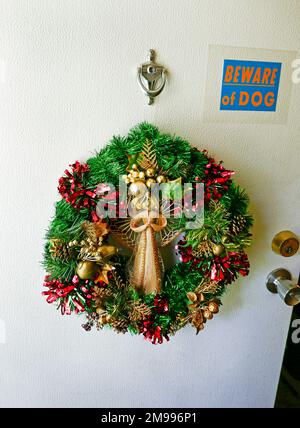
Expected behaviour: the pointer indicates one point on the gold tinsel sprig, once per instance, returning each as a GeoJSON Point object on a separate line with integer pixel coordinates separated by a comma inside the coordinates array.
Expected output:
{"type": "Point", "coordinates": [204, 249]}
{"type": "Point", "coordinates": [143, 167]}
{"type": "Point", "coordinates": [95, 230]}
{"type": "Point", "coordinates": [90, 246]}
{"type": "Point", "coordinates": [90, 249]}
{"type": "Point", "coordinates": [139, 312]}
{"type": "Point", "coordinates": [208, 287]}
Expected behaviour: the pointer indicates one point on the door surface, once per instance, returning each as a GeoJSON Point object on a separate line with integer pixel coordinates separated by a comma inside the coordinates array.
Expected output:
{"type": "Point", "coordinates": [68, 83]}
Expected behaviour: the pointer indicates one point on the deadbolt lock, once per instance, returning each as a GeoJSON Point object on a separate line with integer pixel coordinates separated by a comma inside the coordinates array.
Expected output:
{"type": "Point", "coordinates": [285, 243]}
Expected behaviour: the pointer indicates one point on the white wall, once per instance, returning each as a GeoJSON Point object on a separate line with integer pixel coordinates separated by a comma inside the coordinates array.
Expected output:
{"type": "Point", "coordinates": [70, 85]}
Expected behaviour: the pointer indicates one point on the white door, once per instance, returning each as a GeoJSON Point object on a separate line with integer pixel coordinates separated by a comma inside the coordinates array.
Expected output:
{"type": "Point", "coordinates": [68, 83]}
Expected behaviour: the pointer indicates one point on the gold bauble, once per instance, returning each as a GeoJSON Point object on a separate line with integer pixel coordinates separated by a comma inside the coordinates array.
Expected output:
{"type": "Point", "coordinates": [134, 167]}
{"type": "Point", "coordinates": [87, 269]}
{"type": "Point", "coordinates": [218, 249]}
{"type": "Point", "coordinates": [207, 314]}
{"type": "Point", "coordinates": [141, 175]}
{"type": "Point", "coordinates": [150, 172]}
{"type": "Point", "coordinates": [191, 296]}
{"type": "Point", "coordinates": [127, 180]}
{"type": "Point", "coordinates": [135, 174]}
{"type": "Point", "coordinates": [225, 239]}
{"type": "Point", "coordinates": [161, 179]}
{"type": "Point", "coordinates": [150, 181]}
{"type": "Point", "coordinates": [213, 307]}
{"type": "Point", "coordinates": [137, 189]}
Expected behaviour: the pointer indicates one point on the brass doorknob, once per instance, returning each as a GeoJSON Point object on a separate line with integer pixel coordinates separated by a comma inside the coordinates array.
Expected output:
{"type": "Point", "coordinates": [285, 243]}
{"type": "Point", "coordinates": [280, 281]}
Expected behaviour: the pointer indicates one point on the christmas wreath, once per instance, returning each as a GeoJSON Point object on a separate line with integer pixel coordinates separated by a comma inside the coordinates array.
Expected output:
{"type": "Point", "coordinates": [139, 194]}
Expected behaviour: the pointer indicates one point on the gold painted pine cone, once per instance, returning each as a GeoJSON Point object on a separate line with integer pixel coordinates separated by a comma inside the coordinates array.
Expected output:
{"type": "Point", "coordinates": [238, 224]}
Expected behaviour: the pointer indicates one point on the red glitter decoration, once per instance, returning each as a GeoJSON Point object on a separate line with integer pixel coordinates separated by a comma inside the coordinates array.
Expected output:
{"type": "Point", "coordinates": [218, 268]}
{"type": "Point", "coordinates": [71, 297]}
{"type": "Point", "coordinates": [71, 188]}
{"type": "Point", "coordinates": [153, 333]}
{"type": "Point", "coordinates": [216, 180]}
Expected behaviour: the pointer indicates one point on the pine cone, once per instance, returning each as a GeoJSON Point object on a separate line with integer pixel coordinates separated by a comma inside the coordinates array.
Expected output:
{"type": "Point", "coordinates": [238, 224]}
{"type": "Point", "coordinates": [120, 325]}
{"type": "Point", "coordinates": [61, 250]}
{"type": "Point", "coordinates": [100, 294]}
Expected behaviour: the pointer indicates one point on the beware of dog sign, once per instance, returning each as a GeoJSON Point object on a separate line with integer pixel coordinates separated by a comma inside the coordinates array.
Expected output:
{"type": "Point", "coordinates": [247, 85]}
{"type": "Point", "coordinates": [250, 85]}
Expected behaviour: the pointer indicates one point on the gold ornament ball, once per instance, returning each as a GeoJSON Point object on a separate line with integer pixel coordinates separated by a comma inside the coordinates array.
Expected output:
{"type": "Point", "coordinates": [134, 167]}
{"type": "Point", "coordinates": [137, 189]}
{"type": "Point", "coordinates": [141, 175]}
{"type": "Point", "coordinates": [207, 314]}
{"type": "Point", "coordinates": [150, 181]}
{"type": "Point", "coordinates": [161, 179]}
{"type": "Point", "coordinates": [135, 174]}
{"type": "Point", "coordinates": [218, 249]}
{"type": "Point", "coordinates": [87, 270]}
{"type": "Point", "coordinates": [134, 189]}
{"type": "Point", "coordinates": [225, 239]}
{"type": "Point", "coordinates": [213, 307]}
{"type": "Point", "coordinates": [150, 172]}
